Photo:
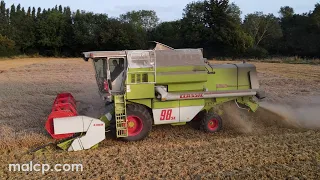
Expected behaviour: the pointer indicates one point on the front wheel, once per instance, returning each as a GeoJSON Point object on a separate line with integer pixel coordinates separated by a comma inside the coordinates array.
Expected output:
{"type": "Point", "coordinates": [211, 123]}
{"type": "Point", "coordinates": [139, 123]}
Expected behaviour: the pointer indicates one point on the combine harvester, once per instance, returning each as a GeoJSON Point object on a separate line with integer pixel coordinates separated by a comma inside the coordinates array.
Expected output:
{"type": "Point", "coordinates": [143, 88]}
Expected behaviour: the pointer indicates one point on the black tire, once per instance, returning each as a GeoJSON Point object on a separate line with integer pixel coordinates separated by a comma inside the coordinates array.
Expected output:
{"type": "Point", "coordinates": [142, 113]}
{"type": "Point", "coordinates": [196, 121]}
{"type": "Point", "coordinates": [211, 123]}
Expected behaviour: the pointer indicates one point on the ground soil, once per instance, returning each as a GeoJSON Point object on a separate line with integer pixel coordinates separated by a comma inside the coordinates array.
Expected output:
{"type": "Point", "coordinates": [261, 145]}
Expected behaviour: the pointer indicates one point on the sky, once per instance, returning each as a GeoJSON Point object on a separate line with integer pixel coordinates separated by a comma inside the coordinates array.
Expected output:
{"type": "Point", "coordinates": [166, 10]}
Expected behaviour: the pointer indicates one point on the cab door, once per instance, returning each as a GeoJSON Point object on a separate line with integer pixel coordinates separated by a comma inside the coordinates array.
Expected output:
{"type": "Point", "coordinates": [117, 73]}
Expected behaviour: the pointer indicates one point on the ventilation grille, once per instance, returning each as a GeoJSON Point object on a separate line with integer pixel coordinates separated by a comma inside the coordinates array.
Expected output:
{"type": "Point", "coordinates": [139, 78]}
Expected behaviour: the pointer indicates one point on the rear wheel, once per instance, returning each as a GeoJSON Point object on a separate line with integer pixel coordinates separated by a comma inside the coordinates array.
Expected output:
{"type": "Point", "coordinates": [211, 123]}
{"type": "Point", "coordinates": [196, 121]}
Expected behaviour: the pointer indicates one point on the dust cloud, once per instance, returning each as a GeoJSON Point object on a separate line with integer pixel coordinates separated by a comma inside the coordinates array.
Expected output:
{"type": "Point", "coordinates": [301, 116]}
{"type": "Point", "coordinates": [300, 113]}
{"type": "Point", "coordinates": [236, 119]}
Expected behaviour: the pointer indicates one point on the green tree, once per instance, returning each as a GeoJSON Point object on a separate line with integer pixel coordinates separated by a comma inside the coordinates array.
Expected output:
{"type": "Point", "coordinates": [87, 30]}
{"type": "Point", "coordinates": [315, 16]}
{"type": "Point", "coordinates": [7, 46]}
{"type": "Point", "coordinates": [38, 12]}
{"type": "Point", "coordinates": [2, 8]}
{"type": "Point", "coordinates": [286, 12]}
{"type": "Point", "coordinates": [69, 44]}
{"type": "Point", "coordinates": [216, 26]}
{"type": "Point", "coordinates": [168, 33]}
{"type": "Point", "coordinates": [60, 9]}
{"type": "Point", "coordinates": [263, 28]}
{"type": "Point", "coordinates": [29, 12]}
{"type": "Point", "coordinates": [3, 18]}
{"type": "Point", "coordinates": [234, 11]}
{"type": "Point", "coordinates": [121, 35]}
{"type": "Point", "coordinates": [18, 8]}
{"type": "Point", "coordinates": [33, 14]}
{"type": "Point", "coordinates": [193, 25]}
{"type": "Point", "coordinates": [2, 11]}
{"type": "Point", "coordinates": [146, 19]}
{"type": "Point", "coordinates": [51, 30]}
{"type": "Point", "coordinates": [22, 29]}
{"type": "Point", "coordinates": [301, 33]}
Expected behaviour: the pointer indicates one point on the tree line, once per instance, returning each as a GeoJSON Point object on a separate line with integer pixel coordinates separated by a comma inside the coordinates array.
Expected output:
{"type": "Point", "coordinates": [214, 25]}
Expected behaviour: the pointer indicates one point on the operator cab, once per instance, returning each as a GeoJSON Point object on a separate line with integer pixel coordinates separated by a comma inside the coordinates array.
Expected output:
{"type": "Point", "coordinates": [110, 69]}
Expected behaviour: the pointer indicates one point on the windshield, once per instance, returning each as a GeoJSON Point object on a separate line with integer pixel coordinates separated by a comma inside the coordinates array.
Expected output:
{"type": "Point", "coordinates": [116, 67]}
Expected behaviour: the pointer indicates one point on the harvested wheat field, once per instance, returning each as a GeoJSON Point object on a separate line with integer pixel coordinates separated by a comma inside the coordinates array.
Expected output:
{"type": "Point", "coordinates": [261, 145]}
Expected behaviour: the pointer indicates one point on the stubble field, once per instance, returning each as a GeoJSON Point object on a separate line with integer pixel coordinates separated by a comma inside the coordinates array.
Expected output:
{"type": "Point", "coordinates": [263, 145]}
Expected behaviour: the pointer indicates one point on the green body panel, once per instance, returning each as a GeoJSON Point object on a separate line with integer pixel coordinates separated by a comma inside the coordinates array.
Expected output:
{"type": "Point", "coordinates": [211, 84]}
{"type": "Point", "coordinates": [181, 74]}
{"type": "Point", "coordinates": [66, 144]}
{"type": "Point", "coordinates": [222, 80]}
{"type": "Point", "coordinates": [146, 102]}
{"type": "Point", "coordinates": [181, 77]}
{"type": "Point", "coordinates": [179, 124]}
{"type": "Point", "coordinates": [180, 69]}
{"type": "Point", "coordinates": [225, 78]}
{"type": "Point", "coordinates": [243, 75]}
{"type": "Point", "coordinates": [186, 87]}
{"type": "Point", "coordinates": [167, 75]}
{"type": "Point", "coordinates": [139, 69]}
{"type": "Point", "coordinates": [248, 101]}
{"type": "Point", "coordinates": [210, 103]}
{"type": "Point", "coordinates": [228, 77]}
{"type": "Point", "coordinates": [140, 91]}
{"type": "Point", "coordinates": [191, 78]}
{"type": "Point", "coordinates": [105, 119]}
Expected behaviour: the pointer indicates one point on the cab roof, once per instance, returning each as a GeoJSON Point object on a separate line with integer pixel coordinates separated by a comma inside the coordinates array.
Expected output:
{"type": "Point", "coordinates": [160, 56]}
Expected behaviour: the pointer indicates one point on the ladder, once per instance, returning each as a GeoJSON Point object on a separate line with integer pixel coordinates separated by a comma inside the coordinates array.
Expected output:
{"type": "Point", "coordinates": [120, 115]}
{"type": "Point", "coordinates": [138, 75]}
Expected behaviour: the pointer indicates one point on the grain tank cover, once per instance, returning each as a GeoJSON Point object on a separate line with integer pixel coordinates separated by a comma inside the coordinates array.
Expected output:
{"type": "Point", "coordinates": [165, 58]}
{"type": "Point", "coordinates": [179, 57]}
{"type": "Point", "coordinates": [141, 58]}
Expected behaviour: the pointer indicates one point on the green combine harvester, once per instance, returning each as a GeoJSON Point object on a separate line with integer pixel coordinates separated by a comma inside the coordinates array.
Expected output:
{"type": "Point", "coordinates": [143, 88]}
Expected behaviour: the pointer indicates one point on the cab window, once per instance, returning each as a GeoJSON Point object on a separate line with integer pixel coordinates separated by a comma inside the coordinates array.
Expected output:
{"type": "Point", "coordinates": [116, 66]}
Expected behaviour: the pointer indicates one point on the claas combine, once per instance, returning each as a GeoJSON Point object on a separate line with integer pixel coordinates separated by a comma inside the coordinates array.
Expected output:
{"type": "Point", "coordinates": [144, 88]}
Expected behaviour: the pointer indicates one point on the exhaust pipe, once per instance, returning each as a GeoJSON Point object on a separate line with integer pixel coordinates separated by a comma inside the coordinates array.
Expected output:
{"type": "Point", "coordinates": [165, 96]}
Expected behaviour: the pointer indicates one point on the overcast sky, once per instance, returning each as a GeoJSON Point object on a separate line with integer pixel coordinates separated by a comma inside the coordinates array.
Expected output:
{"type": "Point", "coordinates": [166, 9]}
